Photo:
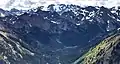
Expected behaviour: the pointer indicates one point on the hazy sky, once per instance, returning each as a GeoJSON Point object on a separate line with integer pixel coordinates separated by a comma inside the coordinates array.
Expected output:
{"type": "Point", "coordinates": [28, 4]}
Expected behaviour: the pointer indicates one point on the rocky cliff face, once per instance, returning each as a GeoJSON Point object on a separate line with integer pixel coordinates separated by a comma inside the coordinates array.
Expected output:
{"type": "Point", "coordinates": [59, 35]}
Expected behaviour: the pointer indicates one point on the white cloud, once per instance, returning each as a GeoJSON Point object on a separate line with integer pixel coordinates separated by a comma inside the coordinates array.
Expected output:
{"type": "Point", "coordinates": [28, 4]}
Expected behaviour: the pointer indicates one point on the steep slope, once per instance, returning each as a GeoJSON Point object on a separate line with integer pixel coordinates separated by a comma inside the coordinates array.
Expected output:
{"type": "Point", "coordinates": [107, 52]}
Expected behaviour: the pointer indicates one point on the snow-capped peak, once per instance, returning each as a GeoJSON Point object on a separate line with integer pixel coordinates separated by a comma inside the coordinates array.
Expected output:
{"type": "Point", "coordinates": [28, 4]}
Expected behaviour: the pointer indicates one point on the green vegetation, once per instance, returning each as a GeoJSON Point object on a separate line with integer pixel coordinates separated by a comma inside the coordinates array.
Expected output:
{"type": "Point", "coordinates": [1, 57]}
{"type": "Point", "coordinates": [96, 53]}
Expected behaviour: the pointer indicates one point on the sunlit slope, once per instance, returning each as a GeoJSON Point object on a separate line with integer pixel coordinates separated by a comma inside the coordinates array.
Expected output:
{"type": "Point", "coordinates": [104, 53]}
{"type": "Point", "coordinates": [11, 50]}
